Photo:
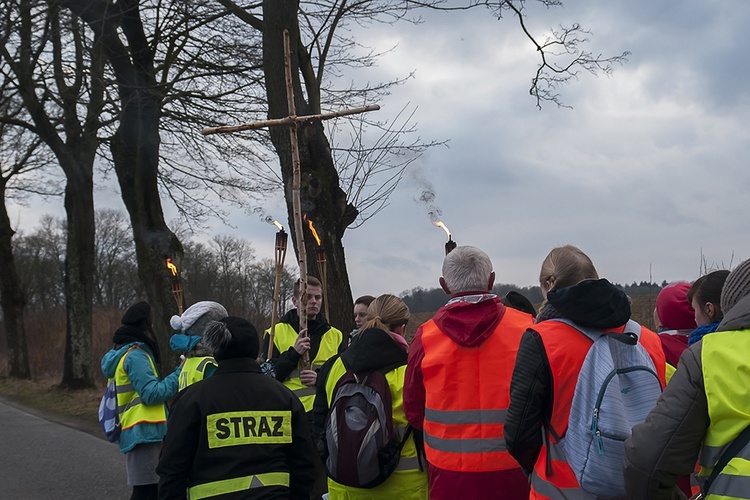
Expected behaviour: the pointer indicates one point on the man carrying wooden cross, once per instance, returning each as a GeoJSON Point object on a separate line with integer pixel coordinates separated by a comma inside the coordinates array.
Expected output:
{"type": "Point", "coordinates": [320, 340]}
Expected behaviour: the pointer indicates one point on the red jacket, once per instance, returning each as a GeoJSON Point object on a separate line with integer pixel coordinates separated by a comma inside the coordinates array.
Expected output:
{"type": "Point", "coordinates": [469, 321]}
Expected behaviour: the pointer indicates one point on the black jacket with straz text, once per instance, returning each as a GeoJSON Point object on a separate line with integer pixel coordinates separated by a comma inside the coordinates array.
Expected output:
{"type": "Point", "coordinates": [238, 425]}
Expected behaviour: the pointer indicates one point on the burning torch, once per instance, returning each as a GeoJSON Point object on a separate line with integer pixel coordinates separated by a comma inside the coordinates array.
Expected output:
{"type": "Point", "coordinates": [320, 258]}
{"type": "Point", "coordinates": [279, 256]}
{"type": "Point", "coordinates": [176, 285]}
{"type": "Point", "coordinates": [450, 244]}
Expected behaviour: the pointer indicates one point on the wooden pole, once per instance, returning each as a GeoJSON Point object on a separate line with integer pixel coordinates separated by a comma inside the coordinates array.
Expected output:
{"type": "Point", "coordinates": [288, 121]}
{"type": "Point", "coordinates": [292, 121]}
{"type": "Point", "coordinates": [279, 257]}
{"type": "Point", "coordinates": [296, 203]}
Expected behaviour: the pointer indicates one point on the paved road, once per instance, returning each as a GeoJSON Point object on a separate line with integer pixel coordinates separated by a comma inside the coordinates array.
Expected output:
{"type": "Point", "coordinates": [40, 459]}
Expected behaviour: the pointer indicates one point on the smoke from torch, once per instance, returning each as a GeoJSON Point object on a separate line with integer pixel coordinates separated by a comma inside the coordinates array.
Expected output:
{"type": "Point", "coordinates": [276, 223]}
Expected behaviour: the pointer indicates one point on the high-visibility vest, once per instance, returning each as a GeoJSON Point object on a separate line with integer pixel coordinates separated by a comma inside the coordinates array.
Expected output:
{"type": "Point", "coordinates": [467, 392]}
{"type": "Point", "coordinates": [194, 370]}
{"type": "Point", "coordinates": [726, 379]}
{"type": "Point", "coordinates": [566, 349]}
{"type": "Point", "coordinates": [130, 408]}
{"type": "Point", "coordinates": [407, 481]}
{"type": "Point", "coordinates": [283, 339]}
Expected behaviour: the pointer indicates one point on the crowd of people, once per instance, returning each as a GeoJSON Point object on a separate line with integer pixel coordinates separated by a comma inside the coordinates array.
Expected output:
{"type": "Point", "coordinates": [491, 398]}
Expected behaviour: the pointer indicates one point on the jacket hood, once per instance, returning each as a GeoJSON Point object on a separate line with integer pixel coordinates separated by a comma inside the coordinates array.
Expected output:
{"type": "Point", "coordinates": [592, 303]}
{"type": "Point", "coordinates": [469, 320]}
{"type": "Point", "coordinates": [374, 349]}
{"type": "Point", "coordinates": [113, 356]}
{"type": "Point", "coordinates": [738, 317]}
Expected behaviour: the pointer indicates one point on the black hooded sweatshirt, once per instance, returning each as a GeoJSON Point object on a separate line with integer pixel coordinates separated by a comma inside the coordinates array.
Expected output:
{"type": "Point", "coordinates": [593, 304]}
{"type": "Point", "coordinates": [372, 350]}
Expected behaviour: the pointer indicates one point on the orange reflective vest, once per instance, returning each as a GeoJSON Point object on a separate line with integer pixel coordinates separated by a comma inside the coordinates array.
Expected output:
{"type": "Point", "coordinates": [467, 392]}
{"type": "Point", "coordinates": [566, 349]}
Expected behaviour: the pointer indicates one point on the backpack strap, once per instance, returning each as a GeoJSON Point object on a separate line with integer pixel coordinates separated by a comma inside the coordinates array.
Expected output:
{"type": "Point", "coordinates": [418, 444]}
{"type": "Point", "coordinates": [627, 334]}
{"type": "Point", "coordinates": [731, 452]}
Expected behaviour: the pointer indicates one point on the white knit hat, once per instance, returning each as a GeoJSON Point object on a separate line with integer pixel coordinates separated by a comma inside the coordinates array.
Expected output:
{"type": "Point", "coordinates": [195, 318]}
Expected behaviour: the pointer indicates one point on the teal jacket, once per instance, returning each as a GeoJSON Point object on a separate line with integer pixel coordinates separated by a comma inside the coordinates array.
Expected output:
{"type": "Point", "coordinates": [149, 387]}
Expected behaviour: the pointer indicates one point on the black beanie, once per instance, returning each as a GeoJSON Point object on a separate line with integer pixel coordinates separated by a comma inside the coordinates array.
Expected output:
{"type": "Point", "coordinates": [231, 337]}
{"type": "Point", "coordinates": [520, 302]}
{"type": "Point", "coordinates": [137, 315]}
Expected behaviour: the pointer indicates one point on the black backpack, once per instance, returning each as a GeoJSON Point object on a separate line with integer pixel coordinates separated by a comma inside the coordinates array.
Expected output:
{"type": "Point", "coordinates": [363, 448]}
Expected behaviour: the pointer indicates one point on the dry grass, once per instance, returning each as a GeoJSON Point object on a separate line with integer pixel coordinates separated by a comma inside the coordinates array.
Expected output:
{"type": "Point", "coordinates": [76, 408]}
{"type": "Point", "coordinates": [79, 408]}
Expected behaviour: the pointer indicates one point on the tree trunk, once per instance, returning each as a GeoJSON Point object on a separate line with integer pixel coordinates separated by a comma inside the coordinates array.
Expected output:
{"type": "Point", "coordinates": [136, 172]}
{"type": "Point", "coordinates": [135, 150]}
{"type": "Point", "coordinates": [322, 198]}
{"type": "Point", "coordinates": [80, 258]}
{"type": "Point", "coordinates": [12, 300]}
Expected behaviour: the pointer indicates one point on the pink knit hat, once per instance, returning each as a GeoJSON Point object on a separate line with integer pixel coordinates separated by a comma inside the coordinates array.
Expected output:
{"type": "Point", "coordinates": [673, 308]}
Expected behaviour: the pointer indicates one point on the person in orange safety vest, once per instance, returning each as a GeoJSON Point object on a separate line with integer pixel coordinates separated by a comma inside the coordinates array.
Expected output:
{"type": "Point", "coordinates": [456, 387]}
{"type": "Point", "coordinates": [549, 361]}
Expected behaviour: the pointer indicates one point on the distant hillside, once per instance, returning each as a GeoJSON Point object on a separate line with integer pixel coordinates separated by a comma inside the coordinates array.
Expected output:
{"type": "Point", "coordinates": [422, 300]}
{"type": "Point", "coordinates": [642, 312]}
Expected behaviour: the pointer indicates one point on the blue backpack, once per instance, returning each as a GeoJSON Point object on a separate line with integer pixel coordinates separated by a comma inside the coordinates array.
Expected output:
{"type": "Point", "coordinates": [109, 418]}
{"type": "Point", "coordinates": [616, 388]}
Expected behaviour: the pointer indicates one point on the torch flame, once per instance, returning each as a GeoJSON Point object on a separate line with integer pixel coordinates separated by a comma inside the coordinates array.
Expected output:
{"type": "Point", "coordinates": [313, 231]}
{"type": "Point", "coordinates": [171, 267]}
{"type": "Point", "coordinates": [439, 223]}
{"type": "Point", "coordinates": [276, 223]}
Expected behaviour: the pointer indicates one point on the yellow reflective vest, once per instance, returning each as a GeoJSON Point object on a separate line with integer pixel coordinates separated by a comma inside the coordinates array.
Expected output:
{"type": "Point", "coordinates": [284, 337]}
{"type": "Point", "coordinates": [726, 379]}
{"type": "Point", "coordinates": [131, 409]}
{"type": "Point", "coordinates": [407, 481]}
{"type": "Point", "coordinates": [194, 370]}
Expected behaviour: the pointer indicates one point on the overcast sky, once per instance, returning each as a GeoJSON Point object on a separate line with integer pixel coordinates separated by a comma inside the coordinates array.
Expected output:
{"type": "Point", "coordinates": [646, 173]}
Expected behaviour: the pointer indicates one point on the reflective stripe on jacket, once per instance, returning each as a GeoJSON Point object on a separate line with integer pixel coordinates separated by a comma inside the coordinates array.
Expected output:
{"type": "Point", "coordinates": [238, 484]}
{"type": "Point", "coordinates": [284, 337]}
{"type": "Point", "coordinates": [407, 482]}
{"type": "Point", "coordinates": [726, 389]}
{"type": "Point", "coordinates": [566, 349]}
{"type": "Point", "coordinates": [194, 370]}
{"type": "Point", "coordinates": [131, 409]}
{"type": "Point", "coordinates": [467, 392]}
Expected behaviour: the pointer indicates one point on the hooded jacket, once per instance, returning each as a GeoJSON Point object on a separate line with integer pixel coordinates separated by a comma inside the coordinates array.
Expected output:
{"type": "Point", "coordinates": [667, 444]}
{"type": "Point", "coordinates": [468, 320]}
{"type": "Point", "coordinates": [151, 389]}
{"type": "Point", "coordinates": [592, 304]}
{"type": "Point", "coordinates": [373, 350]}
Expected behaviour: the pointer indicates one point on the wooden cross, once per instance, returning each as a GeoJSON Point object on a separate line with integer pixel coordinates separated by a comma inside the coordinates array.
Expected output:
{"type": "Point", "coordinates": [292, 121]}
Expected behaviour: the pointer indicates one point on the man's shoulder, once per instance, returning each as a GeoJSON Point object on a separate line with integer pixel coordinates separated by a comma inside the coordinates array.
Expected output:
{"type": "Point", "coordinates": [335, 331]}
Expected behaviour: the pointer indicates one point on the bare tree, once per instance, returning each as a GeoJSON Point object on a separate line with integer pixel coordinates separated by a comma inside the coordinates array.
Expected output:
{"type": "Point", "coordinates": [40, 258]}
{"type": "Point", "coordinates": [20, 158]}
{"type": "Point", "coordinates": [57, 71]}
{"type": "Point", "coordinates": [176, 69]}
{"type": "Point", "coordinates": [116, 274]}
{"type": "Point", "coordinates": [339, 184]}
